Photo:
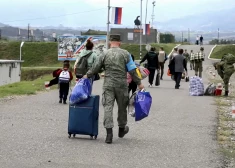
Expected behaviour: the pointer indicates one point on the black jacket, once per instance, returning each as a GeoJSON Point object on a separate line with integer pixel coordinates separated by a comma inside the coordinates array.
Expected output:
{"type": "Point", "coordinates": [152, 59]}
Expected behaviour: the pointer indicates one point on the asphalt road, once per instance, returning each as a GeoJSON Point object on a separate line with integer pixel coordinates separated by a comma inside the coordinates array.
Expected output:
{"type": "Point", "coordinates": [180, 132]}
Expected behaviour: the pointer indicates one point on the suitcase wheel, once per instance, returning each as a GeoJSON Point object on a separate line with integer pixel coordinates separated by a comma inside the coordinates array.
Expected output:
{"type": "Point", "coordinates": [93, 137]}
{"type": "Point", "coordinates": [69, 136]}
{"type": "Point", "coordinates": [74, 135]}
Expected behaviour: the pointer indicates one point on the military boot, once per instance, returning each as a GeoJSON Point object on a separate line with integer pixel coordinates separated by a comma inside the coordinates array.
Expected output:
{"type": "Point", "coordinates": [123, 131]}
{"type": "Point", "coordinates": [226, 93]}
{"type": "Point", "coordinates": [109, 137]}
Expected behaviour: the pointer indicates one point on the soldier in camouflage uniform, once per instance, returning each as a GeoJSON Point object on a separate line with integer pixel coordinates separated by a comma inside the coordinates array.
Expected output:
{"type": "Point", "coordinates": [191, 60]}
{"type": "Point", "coordinates": [186, 55]}
{"type": "Point", "coordinates": [115, 86]}
{"type": "Point", "coordinates": [225, 69]}
{"type": "Point", "coordinates": [198, 59]}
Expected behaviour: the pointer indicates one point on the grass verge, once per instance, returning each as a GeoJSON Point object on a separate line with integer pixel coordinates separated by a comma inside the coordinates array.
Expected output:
{"type": "Point", "coordinates": [25, 87]}
{"type": "Point", "coordinates": [42, 54]}
{"type": "Point", "coordinates": [220, 50]}
{"type": "Point", "coordinates": [226, 124]}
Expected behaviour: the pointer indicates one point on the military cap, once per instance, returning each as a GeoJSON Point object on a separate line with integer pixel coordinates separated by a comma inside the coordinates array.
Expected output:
{"type": "Point", "coordinates": [115, 37]}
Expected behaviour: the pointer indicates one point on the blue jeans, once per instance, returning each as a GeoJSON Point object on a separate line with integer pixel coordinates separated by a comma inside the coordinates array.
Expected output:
{"type": "Point", "coordinates": [178, 76]}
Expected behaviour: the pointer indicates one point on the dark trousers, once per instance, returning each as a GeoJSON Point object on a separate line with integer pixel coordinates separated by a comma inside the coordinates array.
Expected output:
{"type": "Point", "coordinates": [162, 68]}
{"type": "Point", "coordinates": [178, 76]}
{"type": "Point", "coordinates": [64, 91]}
{"type": "Point", "coordinates": [151, 75]}
{"type": "Point", "coordinates": [132, 87]}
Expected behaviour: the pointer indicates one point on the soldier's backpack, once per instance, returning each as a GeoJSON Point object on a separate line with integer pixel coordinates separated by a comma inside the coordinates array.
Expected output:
{"type": "Point", "coordinates": [82, 66]}
{"type": "Point", "coordinates": [229, 58]}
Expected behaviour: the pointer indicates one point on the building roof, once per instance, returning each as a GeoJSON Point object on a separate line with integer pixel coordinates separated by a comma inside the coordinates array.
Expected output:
{"type": "Point", "coordinates": [9, 61]}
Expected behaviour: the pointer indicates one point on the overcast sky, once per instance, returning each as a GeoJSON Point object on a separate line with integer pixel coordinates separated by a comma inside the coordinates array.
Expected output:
{"type": "Point", "coordinates": [75, 13]}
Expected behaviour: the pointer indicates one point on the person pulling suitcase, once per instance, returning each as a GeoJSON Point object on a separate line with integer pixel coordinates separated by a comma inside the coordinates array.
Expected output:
{"type": "Point", "coordinates": [115, 61]}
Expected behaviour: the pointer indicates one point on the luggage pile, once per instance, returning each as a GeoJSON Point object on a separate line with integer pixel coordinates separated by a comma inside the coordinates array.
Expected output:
{"type": "Point", "coordinates": [196, 86]}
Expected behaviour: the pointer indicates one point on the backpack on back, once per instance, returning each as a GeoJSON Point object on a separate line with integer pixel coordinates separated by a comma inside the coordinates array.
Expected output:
{"type": "Point", "coordinates": [64, 77]}
{"type": "Point", "coordinates": [82, 65]}
{"type": "Point", "coordinates": [161, 56]}
{"type": "Point", "coordinates": [229, 58]}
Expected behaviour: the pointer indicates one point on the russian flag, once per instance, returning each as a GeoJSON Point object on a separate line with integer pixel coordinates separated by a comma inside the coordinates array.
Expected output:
{"type": "Point", "coordinates": [116, 15]}
{"type": "Point", "coordinates": [147, 29]}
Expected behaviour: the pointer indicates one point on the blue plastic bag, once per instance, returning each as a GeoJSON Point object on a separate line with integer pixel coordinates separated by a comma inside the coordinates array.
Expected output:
{"type": "Point", "coordinates": [143, 102]}
{"type": "Point", "coordinates": [81, 91]}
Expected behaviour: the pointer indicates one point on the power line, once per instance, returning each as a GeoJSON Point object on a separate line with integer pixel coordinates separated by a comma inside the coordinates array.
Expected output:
{"type": "Point", "coordinates": [54, 16]}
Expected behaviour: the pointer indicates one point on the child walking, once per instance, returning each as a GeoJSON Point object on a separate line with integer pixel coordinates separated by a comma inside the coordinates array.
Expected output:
{"type": "Point", "coordinates": [132, 86]}
{"type": "Point", "coordinates": [65, 77]}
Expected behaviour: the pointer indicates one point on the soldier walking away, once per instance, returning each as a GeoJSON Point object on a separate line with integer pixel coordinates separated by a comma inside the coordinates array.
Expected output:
{"type": "Point", "coordinates": [199, 58]}
{"type": "Point", "coordinates": [191, 60]}
{"type": "Point", "coordinates": [115, 86]}
{"type": "Point", "coordinates": [201, 40]}
{"type": "Point", "coordinates": [152, 64]}
{"type": "Point", "coordinates": [225, 70]}
{"type": "Point", "coordinates": [162, 59]}
{"type": "Point", "coordinates": [186, 55]}
{"type": "Point", "coordinates": [179, 64]}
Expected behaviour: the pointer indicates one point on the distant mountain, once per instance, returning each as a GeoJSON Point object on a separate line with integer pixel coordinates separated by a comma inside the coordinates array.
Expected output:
{"type": "Point", "coordinates": [2, 25]}
{"type": "Point", "coordinates": [209, 21]}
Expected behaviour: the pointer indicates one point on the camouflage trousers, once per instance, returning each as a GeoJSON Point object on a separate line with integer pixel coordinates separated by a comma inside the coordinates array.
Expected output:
{"type": "Point", "coordinates": [110, 94]}
{"type": "Point", "coordinates": [225, 76]}
{"type": "Point", "coordinates": [198, 68]}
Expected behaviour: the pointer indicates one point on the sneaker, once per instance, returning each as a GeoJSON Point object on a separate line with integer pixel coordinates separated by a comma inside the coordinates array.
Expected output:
{"type": "Point", "coordinates": [150, 85]}
{"type": "Point", "coordinates": [60, 101]}
{"type": "Point", "coordinates": [64, 102]}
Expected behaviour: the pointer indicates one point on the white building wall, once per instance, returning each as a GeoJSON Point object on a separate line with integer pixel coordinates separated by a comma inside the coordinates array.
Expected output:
{"type": "Point", "coordinates": [9, 73]}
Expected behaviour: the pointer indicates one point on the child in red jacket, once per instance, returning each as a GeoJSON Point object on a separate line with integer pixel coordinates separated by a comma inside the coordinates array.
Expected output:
{"type": "Point", "coordinates": [65, 77]}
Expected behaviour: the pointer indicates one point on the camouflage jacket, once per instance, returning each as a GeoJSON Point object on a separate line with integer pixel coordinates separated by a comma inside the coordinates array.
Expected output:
{"type": "Point", "coordinates": [186, 55]}
{"type": "Point", "coordinates": [114, 61]}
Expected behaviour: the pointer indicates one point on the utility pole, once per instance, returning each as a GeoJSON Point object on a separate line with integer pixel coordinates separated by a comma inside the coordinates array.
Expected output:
{"type": "Point", "coordinates": [189, 35]}
{"type": "Point", "coordinates": [28, 32]}
{"type": "Point", "coordinates": [182, 37]}
{"type": "Point", "coordinates": [146, 36]}
{"type": "Point", "coordinates": [141, 30]}
{"type": "Point", "coordinates": [108, 22]}
{"type": "Point", "coordinates": [153, 12]}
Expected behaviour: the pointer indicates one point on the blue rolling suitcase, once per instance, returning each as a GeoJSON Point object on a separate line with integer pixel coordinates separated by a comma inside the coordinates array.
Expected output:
{"type": "Point", "coordinates": [84, 118]}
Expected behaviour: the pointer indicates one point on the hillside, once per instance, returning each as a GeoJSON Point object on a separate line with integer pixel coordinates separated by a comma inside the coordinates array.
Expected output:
{"type": "Point", "coordinates": [45, 54]}
{"type": "Point", "coordinates": [219, 51]}
{"type": "Point", "coordinates": [208, 21]}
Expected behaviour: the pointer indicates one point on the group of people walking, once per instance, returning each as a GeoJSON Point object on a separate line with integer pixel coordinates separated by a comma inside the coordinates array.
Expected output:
{"type": "Point", "coordinates": [115, 88]}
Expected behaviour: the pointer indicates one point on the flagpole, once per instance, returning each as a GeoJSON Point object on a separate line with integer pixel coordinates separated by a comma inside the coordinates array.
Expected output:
{"type": "Point", "coordinates": [108, 22]}
{"type": "Point", "coordinates": [141, 29]}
